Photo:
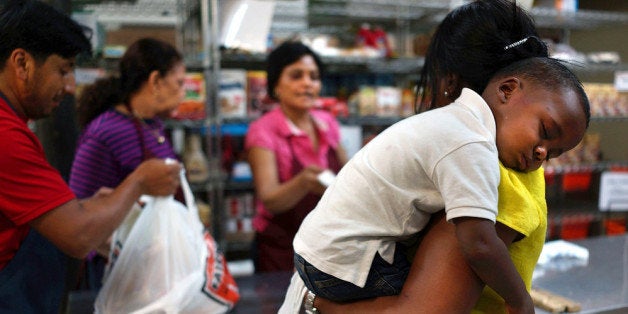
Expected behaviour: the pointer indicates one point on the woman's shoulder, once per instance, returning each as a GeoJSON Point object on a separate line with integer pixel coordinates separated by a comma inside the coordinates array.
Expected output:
{"type": "Point", "coordinates": [109, 123]}
{"type": "Point", "coordinates": [325, 119]}
{"type": "Point", "coordinates": [272, 119]}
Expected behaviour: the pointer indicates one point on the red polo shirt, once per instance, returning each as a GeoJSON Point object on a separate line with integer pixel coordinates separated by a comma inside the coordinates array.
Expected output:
{"type": "Point", "coordinates": [29, 186]}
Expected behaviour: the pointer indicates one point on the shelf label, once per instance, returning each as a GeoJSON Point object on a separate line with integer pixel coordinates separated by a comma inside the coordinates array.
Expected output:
{"type": "Point", "coordinates": [613, 191]}
{"type": "Point", "coordinates": [621, 81]}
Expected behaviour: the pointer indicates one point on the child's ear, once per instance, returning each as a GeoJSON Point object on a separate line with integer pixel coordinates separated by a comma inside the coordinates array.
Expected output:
{"type": "Point", "coordinates": [507, 87]}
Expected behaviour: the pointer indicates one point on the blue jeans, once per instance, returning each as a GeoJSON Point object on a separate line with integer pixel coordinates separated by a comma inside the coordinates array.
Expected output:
{"type": "Point", "coordinates": [383, 279]}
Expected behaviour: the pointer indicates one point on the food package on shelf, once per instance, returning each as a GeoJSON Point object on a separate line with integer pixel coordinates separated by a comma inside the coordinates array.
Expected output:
{"type": "Point", "coordinates": [367, 101]}
{"type": "Point", "coordinates": [388, 101]}
{"type": "Point", "coordinates": [193, 106]}
{"type": "Point", "coordinates": [257, 99]}
{"type": "Point", "coordinates": [606, 101]}
{"type": "Point", "coordinates": [374, 38]}
{"type": "Point", "coordinates": [239, 211]}
{"type": "Point", "coordinates": [232, 93]}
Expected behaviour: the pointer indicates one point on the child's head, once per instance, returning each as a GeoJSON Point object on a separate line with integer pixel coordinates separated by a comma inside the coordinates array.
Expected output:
{"type": "Point", "coordinates": [468, 47]}
{"type": "Point", "coordinates": [540, 109]}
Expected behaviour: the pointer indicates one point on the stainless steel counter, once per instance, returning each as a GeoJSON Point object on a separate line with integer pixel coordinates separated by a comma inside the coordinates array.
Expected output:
{"type": "Point", "coordinates": [602, 285]}
{"type": "Point", "coordinates": [259, 294]}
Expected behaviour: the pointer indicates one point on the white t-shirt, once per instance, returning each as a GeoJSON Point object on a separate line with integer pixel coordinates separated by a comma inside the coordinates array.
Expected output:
{"type": "Point", "coordinates": [443, 158]}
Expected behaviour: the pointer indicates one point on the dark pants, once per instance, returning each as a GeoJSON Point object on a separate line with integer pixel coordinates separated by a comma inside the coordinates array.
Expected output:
{"type": "Point", "coordinates": [383, 279]}
{"type": "Point", "coordinates": [34, 280]}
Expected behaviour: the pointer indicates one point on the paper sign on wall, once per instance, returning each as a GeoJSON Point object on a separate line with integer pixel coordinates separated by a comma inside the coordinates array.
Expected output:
{"type": "Point", "coordinates": [613, 191]}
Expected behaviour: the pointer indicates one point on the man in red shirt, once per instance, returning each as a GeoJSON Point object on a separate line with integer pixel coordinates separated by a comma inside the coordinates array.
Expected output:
{"type": "Point", "coordinates": [40, 217]}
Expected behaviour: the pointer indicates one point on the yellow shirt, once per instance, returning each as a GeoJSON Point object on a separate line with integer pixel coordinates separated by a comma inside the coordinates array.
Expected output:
{"type": "Point", "coordinates": [521, 207]}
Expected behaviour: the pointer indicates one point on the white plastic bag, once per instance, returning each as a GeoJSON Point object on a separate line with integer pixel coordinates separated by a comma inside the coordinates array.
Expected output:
{"type": "Point", "coordinates": [168, 264]}
{"type": "Point", "coordinates": [120, 235]}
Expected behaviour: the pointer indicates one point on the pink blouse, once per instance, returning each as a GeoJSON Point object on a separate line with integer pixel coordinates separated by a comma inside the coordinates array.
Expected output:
{"type": "Point", "coordinates": [275, 132]}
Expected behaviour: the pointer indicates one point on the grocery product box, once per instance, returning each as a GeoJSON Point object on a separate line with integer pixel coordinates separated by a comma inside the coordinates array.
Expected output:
{"type": "Point", "coordinates": [193, 106]}
{"type": "Point", "coordinates": [257, 98]}
{"type": "Point", "coordinates": [232, 93]}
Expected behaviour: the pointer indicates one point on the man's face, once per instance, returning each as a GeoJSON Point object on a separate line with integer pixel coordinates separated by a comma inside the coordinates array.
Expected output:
{"type": "Point", "coordinates": [47, 85]}
{"type": "Point", "coordinates": [537, 123]}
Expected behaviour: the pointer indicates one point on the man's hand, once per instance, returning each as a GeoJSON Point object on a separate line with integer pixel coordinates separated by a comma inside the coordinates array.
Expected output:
{"type": "Point", "coordinates": [158, 177]}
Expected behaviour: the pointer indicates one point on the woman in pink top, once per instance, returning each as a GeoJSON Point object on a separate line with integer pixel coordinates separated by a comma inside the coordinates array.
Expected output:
{"type": "Point", "coordinates": [287, 149]}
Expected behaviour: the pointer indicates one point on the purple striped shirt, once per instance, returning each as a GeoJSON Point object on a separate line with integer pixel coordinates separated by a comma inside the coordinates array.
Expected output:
{"type": "Point", "coordinates": [109, 149]}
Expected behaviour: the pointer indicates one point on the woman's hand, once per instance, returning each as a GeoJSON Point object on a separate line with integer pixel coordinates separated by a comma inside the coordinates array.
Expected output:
{"type": "Point", "coordinates": [309, 178]}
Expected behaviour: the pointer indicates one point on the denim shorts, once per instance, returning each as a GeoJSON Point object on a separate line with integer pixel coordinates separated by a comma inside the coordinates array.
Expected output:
{"type": "Point", "coordinates": [383, 279]}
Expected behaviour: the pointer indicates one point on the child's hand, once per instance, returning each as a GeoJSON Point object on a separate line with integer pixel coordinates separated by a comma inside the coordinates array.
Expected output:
{"type": "Point", "coordinates": [526, 308]}
{"type": "Point", "coordinates": [488, 256]}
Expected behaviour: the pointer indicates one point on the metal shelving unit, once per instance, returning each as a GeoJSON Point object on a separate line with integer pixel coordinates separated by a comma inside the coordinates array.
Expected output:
{"type": "Point", "coordinates": [581, 19]}
{"type": "Point", "coordinates": [141, 12]}
{"type": "Point", "coordinates": [197, 27]}
{"type": "Point", "coordinates": [423, 10]}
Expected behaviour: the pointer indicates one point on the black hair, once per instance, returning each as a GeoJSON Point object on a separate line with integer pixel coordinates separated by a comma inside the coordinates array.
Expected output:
{"type": "Point", "coordinates": [140, 59]}
{"type": "Point", "coordinates": [41, 30]}
{"type": "Point", "coordinates": [470, 43]}
{"type": "Point", "coordinates": [284, 55]}
{"type": "Point", "coordinates": [548, 72]}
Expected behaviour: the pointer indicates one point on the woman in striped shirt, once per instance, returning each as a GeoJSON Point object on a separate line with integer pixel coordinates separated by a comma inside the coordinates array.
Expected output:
{"type": "Point", "coordinates": [120, 122]}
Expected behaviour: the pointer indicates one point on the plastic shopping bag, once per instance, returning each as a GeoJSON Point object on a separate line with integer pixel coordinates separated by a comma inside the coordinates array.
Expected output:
{"type": "Point", "coordinates": [168, 264]}
{"type": "Point", "coordinates": [120, 235]}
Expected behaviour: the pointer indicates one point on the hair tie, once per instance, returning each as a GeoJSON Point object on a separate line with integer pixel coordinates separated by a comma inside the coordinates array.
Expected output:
{"type": "Point", "coordinates": [520, 42]}
{"type": "Point", "coordinates": [517, 43]}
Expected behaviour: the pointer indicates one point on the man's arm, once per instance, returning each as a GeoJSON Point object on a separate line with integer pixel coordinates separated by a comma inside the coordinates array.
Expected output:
{"type": "Point", "coordinates": [488, 256]}
{"type": "Point", "coordinates": [77, 227]}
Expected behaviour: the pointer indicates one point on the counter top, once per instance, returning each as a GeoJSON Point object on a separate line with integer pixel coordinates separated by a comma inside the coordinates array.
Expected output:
{"type": "Point", "coordinates": [262, 293]}
{"type": "Point", "coordinates": [259, 294]}
{"type": "Point", "coordinates": [602, 285]}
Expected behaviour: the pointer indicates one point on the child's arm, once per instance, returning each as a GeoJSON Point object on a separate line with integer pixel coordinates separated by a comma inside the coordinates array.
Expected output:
{"type": "Point", "coordinates": [488, 256]}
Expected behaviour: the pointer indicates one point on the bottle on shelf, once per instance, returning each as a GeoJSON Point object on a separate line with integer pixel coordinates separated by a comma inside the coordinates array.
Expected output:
{"type": "Point", "coordinates": [195, 161]}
